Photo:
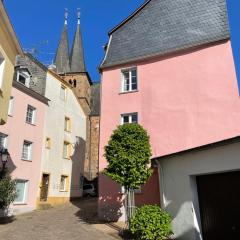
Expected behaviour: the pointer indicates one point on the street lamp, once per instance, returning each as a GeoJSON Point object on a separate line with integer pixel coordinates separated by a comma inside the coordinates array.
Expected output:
{"type": "Point", "coordinates": [4, 155]}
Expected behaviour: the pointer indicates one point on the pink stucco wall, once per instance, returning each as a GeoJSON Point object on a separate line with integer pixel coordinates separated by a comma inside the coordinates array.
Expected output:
{"type": "Point", "coordinates": [18, 130]}
{"type": "Point", "coordinates": [184, 100]}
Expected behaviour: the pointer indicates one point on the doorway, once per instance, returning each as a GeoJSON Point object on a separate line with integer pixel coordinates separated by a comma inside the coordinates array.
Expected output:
{"type": "Point", "coordinates": [44, 187]}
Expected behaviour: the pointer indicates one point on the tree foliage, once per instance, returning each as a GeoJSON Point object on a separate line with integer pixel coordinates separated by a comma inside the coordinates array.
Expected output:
{"type": "Point", "coordinates": [151, 223]}
{"type": "Point", "coordinates": [7, 190]}
{"type": "Point", "coordinates": [128, 155]}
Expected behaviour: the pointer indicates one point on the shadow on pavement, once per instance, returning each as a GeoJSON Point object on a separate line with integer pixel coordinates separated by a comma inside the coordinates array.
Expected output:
{"type": "Point", "coordinates": [7, 220]}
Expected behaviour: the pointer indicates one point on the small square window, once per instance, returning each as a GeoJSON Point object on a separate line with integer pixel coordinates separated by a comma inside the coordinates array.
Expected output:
{"type": "Point", "coordinates": [63, 93]}
{"type": "Point", "coordinates": [67, 124]}
{"type": "Point", "coordinates": [129, 118]}
{"type": "Point", "coordinates": [67, 150]}
{"type": "Point", "coordinates": [21, 189]}
{"type": "Point", "coordinates": [10, 106]}
{"type": "Point", "coordinates": [3, 140]}
{"type": "Point", "coordinates": [48, 143]}
{"type": "Point", "coordinates": [31, 114]}
{"type": "Point", "coordinates": [64, 183]}
{"type": "Point", "coordinates": [27, 150]}
{"type": "Point", "coordinates": [129, 80]}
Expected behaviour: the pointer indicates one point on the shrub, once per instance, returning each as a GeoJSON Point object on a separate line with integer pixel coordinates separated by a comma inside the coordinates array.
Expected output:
{"type": "Point", "coordinates": [7, 191]}
{"type": "Point", "coordinates": [151, 223]}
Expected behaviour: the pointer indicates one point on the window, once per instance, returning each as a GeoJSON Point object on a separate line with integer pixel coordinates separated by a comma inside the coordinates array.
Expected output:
{"type": "Point", "coordinates": [3, 140]}
{"type": "Point", "coordinates": [67, 124]}
{"type": "Point", "coordinates": [10, 106]}
{"type": "Point", "coordinates": [63, 183]}
{"type": "Point", "coordinates": [31, 114]}
{"type": "Point", "coordinates": [2, 63]}
{"type": "Point", "coordinates": [67, 150]}
{"type": "Point", "coordinates": [63, 93]}
{"type": "Point", "coordinates": [21, 188]}
{"type": "Point", "coordinates": [129, 118]}
{"type": "Point", "coordinates": [27, 150]}
{"type": "Point", "coordinates": [129, 80]}
{"type": "Point", "coordinates": [48, 143]}
{"type": "Point", "coordinates": [23, 77]}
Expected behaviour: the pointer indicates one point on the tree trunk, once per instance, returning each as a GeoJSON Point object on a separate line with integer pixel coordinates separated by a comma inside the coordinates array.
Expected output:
{"type": "Point", "coordinates": [129, 205]}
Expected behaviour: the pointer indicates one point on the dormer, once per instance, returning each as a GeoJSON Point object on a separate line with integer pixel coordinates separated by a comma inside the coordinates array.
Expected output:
{"type": "Point", "coordinates": [23, 76]}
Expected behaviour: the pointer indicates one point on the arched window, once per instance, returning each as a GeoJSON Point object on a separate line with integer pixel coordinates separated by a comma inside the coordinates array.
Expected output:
{"type": "Point", "coordinates": [74, 82]}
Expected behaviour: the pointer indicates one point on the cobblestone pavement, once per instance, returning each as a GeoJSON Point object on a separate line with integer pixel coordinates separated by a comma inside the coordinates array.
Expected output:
{"type": "Point", "coordinates": [68, 222]}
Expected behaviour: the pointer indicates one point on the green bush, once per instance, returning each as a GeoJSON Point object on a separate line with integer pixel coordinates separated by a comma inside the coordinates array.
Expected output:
{"type": "Point", "coordinates": [151, 223]}
{"type": "Point", "coordinates": [7, 191]}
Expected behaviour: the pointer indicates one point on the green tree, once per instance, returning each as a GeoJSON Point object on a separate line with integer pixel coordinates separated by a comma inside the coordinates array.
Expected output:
{"type": "Point", "coordinates": [7, 190]}
{"type": "Point", "coordinates": [128, 155]}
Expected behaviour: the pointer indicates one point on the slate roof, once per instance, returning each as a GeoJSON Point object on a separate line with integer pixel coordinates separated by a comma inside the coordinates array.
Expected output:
{"type": "Point", "coordinates": [77, 55]}
{"type": "Point", "coordinates": [62, 55]}
{"type": "Point", "coordinates": [37, 71]}
{"type": "Point", "coordinates": [95, 100]}
{"type": "Point", "coordinates": [165, 26]}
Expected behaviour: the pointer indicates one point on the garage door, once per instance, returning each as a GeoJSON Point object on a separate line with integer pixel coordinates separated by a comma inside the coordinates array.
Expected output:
{"type": "Point", "coordinates": [219, 200]}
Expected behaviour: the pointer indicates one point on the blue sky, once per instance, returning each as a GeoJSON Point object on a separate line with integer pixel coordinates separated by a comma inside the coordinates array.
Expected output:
{"type": "Point", "coordinates": [38, 24]}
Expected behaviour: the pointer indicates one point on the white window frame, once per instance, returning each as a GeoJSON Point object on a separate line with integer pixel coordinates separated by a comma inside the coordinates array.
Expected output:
{"type": "Point", "coordinates": [33, 119]}
{"type": "Point", "coordinates": [130, 115]}
{"type": "Point", "coordinates": [5, 144]}
{"type": "Point", "coordinates": [123, 80]}
{"type": "Point", "coordinates": [65, 183]}
{"type": "Point", "coordinates": [25, 194]}
{"type": "Point", "coordinates": [26, 75]}
{"type": "Point", "coordinates": [2, 66]}
{"type": "Point", "coordinates": [63, 97]}
{"type": "Point", "coordinates": [10, 106]}
{"type": "Point", "coordinates": [30, 151]}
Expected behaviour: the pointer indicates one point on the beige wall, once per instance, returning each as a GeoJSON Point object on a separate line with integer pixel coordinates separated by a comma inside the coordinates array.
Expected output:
{"type": "Point", "coordinates": [9, 48]}
{"type": "Point", "coordinates": [53, 162]}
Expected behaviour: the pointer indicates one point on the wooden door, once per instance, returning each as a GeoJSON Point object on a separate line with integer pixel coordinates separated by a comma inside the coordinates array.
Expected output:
{"type": "Point", "coordinates": [44, 187]}
{"type": "Point", "coordinates": [219, 200]}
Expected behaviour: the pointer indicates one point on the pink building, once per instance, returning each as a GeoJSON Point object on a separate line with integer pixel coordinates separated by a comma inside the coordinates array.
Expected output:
{"type": "Point", "coordinates": [23, 137]}
{"type": "Point", "coordinates": [170, 68]}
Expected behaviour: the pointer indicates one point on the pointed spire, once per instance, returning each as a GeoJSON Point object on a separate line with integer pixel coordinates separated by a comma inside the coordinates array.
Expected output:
{"type": "Point", "coordinates": [62, 55]}
{"type": "Point", "coordinates": [77, 54]}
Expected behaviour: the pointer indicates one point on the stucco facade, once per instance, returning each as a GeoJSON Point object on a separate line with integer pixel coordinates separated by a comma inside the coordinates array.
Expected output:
{"type": "Point", "coordinates": [9, 49]}
{"type": "Point", "coordinates": [183, 100]}
{"type": "Point", "coordinates": [179, 189]}
{"type": "Point", "coordinates": [54, 163]}
{"type": "Point", "coordinates": [18, 131]}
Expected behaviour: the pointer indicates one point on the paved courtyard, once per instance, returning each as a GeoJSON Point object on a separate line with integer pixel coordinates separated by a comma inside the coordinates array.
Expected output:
{"type": "Point", "coordinates": [71, 221]}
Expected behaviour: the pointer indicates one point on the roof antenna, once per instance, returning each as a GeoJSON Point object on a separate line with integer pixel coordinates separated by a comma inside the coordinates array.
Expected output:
{"type": "Point", "coordinates": [78, 15]}
{"type": "Point", "coordinates": [66, 16]}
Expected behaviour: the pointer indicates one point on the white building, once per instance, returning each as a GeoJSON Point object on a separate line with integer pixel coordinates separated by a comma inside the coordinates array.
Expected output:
{"type": "Point", "coordinates": [200, 188]}
{"type": "Point", "coordinates": [65, 140]}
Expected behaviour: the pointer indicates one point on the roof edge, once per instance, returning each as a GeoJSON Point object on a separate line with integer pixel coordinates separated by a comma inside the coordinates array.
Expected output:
{"type": "Point", "coordinates": [200, 148]}
{"type": "Point", "coordinates": [166, 54]}
{"type": "Point", "coordinates": [129, 17]}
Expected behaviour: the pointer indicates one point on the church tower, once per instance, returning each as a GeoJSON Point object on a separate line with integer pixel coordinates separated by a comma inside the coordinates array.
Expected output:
{"type": "Point", "coordinates": [61, 60]}
{"type": "Point", "coordinates": [72, 69]}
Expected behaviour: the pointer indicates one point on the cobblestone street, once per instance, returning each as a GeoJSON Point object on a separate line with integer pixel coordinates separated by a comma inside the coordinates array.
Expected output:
{"type": "Point", "coordinates": [71, 221]}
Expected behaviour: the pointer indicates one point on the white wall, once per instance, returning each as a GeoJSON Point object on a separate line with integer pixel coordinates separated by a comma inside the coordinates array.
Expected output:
{"type": "Point", "coordinates": [178, 186]}
{"type": "Point", "coordinates": [53, 161]}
